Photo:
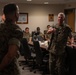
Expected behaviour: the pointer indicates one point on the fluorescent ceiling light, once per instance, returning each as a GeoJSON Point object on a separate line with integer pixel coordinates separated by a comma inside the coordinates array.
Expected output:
{"type": "Point", "coordinates": [46, 2]}
{"type": "Point", "coordinates": [29, 0]}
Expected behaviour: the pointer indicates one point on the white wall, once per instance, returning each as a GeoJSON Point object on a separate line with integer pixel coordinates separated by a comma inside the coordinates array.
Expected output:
{"type": "Point", "coordinates": [38, 15]}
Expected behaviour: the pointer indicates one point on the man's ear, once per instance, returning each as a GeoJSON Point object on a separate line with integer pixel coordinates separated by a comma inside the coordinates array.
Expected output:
{"type": "Point", "coordinates": [16, 16]}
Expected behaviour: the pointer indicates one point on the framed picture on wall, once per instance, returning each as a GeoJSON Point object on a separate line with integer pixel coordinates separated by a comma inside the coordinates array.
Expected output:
{"type": "Point", "coordinates": [51, 17]}
{"type": "Point", "coordinates": [23, 18]}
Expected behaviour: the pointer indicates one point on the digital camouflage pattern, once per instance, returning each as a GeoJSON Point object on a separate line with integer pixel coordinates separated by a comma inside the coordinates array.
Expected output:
{"type": "Point", "coordinates": [59, 40]}
{"type": "Point", "coordinates": [57, 49]}
{"type": "Point", "coordinates": [26, 35]}
{"type": "Point", "coordinates": [7, 32]}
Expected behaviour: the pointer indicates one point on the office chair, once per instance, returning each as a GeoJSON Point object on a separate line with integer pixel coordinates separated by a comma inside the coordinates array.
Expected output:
{"type": "Point", "coordinates": [28, 54]}
{"type": "Point", "coordinates": [41, 61]}
{"type": "Point", "coordinates": [71, 60]}
{"type": "Point", "coordinates": [21, 53]}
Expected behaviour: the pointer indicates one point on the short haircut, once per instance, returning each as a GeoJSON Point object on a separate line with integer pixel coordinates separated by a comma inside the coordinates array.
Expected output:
{"type": "Point", "coordinates": [61, 13]}
{"type": "Point", "coordinates": [9, 8]}
{"type": "Point", "coordinates": [38, 28]}
{"type": "Point", "coordinates": [26, 28]}
{"type": "Point", "coordinates": [48, 25]}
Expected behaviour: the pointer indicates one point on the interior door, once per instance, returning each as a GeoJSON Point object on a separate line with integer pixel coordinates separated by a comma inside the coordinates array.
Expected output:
{"type": "Point", "coordinates": [70, 18]}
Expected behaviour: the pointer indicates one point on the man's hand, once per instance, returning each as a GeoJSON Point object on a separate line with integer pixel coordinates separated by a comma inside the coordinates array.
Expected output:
{"type": "Point", "coordinates": [51, 30]}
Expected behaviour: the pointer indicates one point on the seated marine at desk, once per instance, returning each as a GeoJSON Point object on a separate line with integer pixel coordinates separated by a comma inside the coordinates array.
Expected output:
{"type": "Point", "coordinates": [47, 36]}
{"type": "Point", "coordinates": [37, 35]}
{"type": "Point", "coordinates": [26, 34]}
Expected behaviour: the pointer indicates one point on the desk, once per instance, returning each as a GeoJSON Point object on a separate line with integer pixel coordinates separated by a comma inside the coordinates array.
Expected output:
{"type": "Point", "coordinates": [42, 46]}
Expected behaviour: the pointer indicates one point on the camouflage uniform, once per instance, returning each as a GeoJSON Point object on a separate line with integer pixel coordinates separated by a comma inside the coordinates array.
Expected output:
{"type": "Point", "coordinates": [57, 49]}
{"type": "Point", "coordinates": [9, 34]}
{"type": "Point", "coordinates": [26, 35]}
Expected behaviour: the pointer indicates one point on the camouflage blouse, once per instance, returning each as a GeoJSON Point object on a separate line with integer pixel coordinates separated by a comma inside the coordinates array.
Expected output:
{"type": "Point", "coordinates": [7, 33]}
{"type": "Point", "coordinates": [59, 39]}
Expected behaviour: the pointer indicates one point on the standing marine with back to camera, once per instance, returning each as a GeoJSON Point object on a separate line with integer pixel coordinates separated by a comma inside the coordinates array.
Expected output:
{"type": "Point", "coordinates": [10, 36]}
